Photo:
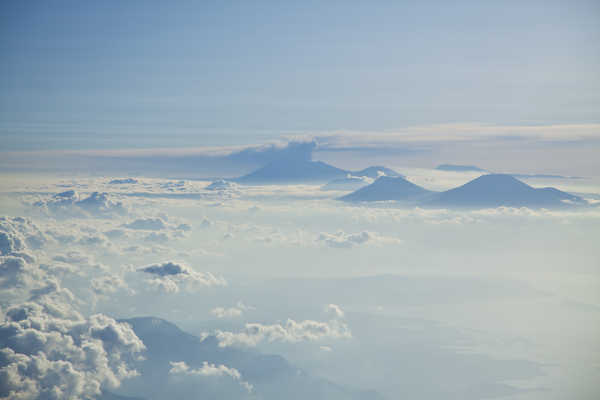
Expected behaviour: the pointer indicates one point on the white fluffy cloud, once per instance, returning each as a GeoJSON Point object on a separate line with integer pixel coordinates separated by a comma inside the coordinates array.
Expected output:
{"type": "Point", "coordinates": [231, 312]}
{"type": "Point", "coordinates": [72, 204]}
{"type": "Point", "coordinates": [18, 235]}
{"type": "Point", "coordinates": [169, 276]}
{"type": "Point", "coordinates": [222, 185]}
{"type": "Point", "coordinates": [109, 283]}
{"type": "Point", "coordinates": [291, 331]}
{"type": "Point", "coordinates": [150, 224]}
{"type": "Point", "coordinates": [48, 349]}
{"type": "Point", "coordinates": [334, 310]}
{"type": "Point", "coordinates": [16, 273]}
{"type": "Point", "coordinates": [123, 181]}
{"type": "Point", "coordinates": [209, 370]}
{"type": "Point", "coordinates": [47, 356]}
{"type": "Point", "coordinates": [341, 239]}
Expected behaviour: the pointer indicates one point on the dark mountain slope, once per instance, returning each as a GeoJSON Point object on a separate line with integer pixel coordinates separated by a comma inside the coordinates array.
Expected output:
{"type": "Point", "coordinates": [294, 171]}
{"type": "Point", "coordinates": [375, 172]}
{"type": "Point", "coordinates": [496, 190]}
{"type": "Point", "coordinates": [272, 376]}
{"type": "Point", "coordinates": [388, 188]}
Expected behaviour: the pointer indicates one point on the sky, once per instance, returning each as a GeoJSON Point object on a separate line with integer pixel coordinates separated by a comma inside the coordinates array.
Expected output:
{"type": "Point", "coordinates": [174, 210]}
{"type": "Point", "coordinates": [142, 74]}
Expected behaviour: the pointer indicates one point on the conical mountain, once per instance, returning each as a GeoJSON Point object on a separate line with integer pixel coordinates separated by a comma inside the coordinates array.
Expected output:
{"type": "Point", "coordinates": [388, 188]}
{"type": "Point", "coordinates": [495, 190]}
{"type": "Point", "coordinates": [293, 171]}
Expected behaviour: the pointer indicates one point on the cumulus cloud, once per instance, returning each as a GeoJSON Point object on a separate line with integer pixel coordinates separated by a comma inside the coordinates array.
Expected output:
{"type": "Point", "coordinates": [10, 243]}
{"type": "Point", "coordinates": [221, 185]}
{"type": "Point", "coordinates": [52, 288]}
{"type": "Point", "coordinates": [18, 235]}
{"type": "Point", "coordinates": [169, 276]}
{"type": "Point", "coordinates": [123, 181]}
{"type": "Point", "coordinates": [45, 356]}
{"type": "Point", "coordinates": [94, 241]}
{"type": "Point", "coordinates": [21, 275]}
{"type": "Point", "coordinates": [152, 229]}
{"type": "Point", "coordinates": [17, 273]}
{"type": "Point", "coordinates": [157, 237]}
{"type": "Point", "coordinates": [341, 239]}
{"type": "Point", "coordinates": [115, 234]}
{"type": "Point", "coordinates": [209, 370]}
{"type": "Point", "coordinates": [72, 204]}
{"type": "Point", "coordinates": [73, 261]}
{"type": "Point", "coordinates": [184, 227]}
{"type": "Point", "coordinates": [334, 310]}
{"type": "Point", "coordinates": [231, 312]}
{"type": "Point", "coordinates": [291, 331]}
{"type": "Point", "coordinates": [165, 269]}
{"type": "Point", "coordinates": [150, 224]}
{"type": "Point", "coordinates": [107, 284]}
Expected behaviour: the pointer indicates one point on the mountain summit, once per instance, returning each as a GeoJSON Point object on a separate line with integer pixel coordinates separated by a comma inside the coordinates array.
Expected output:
{"type": "Point", "coordinates": [492, 190]}
{"type": "Point", "coordinates": [388, 188]}
{"type": "Point", "coordinates": [294, 171]}
{"type": "Point", "coordinates": [495, 190]}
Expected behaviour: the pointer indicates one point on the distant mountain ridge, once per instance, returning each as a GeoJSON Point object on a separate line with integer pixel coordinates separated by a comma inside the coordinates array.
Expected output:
{"type": "Point", "coordinates": [272, 376]}
{"type": "Point", "coordinates": [375, 172]}
{"type": "Point", "coordinates": [294, 171]}
{"type": "Point", "coordinates": [491, 190]}
{"type": "Point", "coordinates": [306, 171]}
{"type": "Point", "coordinates": [495, 190]}
{"type": "Point", "coordinates": [388, 188]}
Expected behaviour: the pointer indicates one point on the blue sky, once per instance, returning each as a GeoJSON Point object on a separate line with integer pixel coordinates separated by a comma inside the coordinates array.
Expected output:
{"type": "Point", "coordinates": [114, 74]}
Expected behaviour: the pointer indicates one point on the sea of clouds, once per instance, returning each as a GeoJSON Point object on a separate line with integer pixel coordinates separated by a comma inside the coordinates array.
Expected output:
{"type": "Point", "coordinates": [349, 293]}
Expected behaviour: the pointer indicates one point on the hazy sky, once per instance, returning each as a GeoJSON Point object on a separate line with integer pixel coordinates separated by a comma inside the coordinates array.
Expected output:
{"type": "Point", "coordinates": [113, 74]}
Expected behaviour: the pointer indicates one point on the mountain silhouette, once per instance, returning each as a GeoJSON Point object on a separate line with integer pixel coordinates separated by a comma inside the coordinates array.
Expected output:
{"type": "Point", "coordinates": [306, 171]}
{"type": "Point", "coordinates": [375, 172]}
{"type": "Point", "coordinates": [491, 190]}
{"type": "Point", "coordinates": [272, 376]}
{"type": "Point", "coordinates": [388, 188]}
{"type": "Point", "coordinates": [495, 190]}
{"type": "Point", "coordinates": [293, 171]}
